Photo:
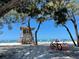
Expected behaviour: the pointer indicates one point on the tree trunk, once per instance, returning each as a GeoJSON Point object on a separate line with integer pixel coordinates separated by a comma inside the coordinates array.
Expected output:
{"type": "Point", "coordinates": [70, 34]}
{"type": "Point", "coordinates": [36, 33]}
{"type": "Point", "coordinates": [30, 31]}
{"type": "Point", "coordinates": [75, 27]}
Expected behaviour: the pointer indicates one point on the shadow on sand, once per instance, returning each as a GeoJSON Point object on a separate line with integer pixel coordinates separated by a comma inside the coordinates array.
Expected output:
{"type": "Point", "coordinates": [39, 52]}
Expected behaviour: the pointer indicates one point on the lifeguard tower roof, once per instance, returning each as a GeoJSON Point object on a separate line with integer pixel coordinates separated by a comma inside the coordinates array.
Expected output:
{"type": "Point", "coordinates": [26, 28]}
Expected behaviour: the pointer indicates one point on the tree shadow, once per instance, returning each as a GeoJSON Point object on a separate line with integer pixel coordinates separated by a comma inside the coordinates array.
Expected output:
{"type": "Point", "coordinates": [40, 52]}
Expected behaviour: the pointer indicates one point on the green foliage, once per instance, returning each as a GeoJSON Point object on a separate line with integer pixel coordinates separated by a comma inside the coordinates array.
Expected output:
{"type": "Point", "coordinates": [41, 19]}
{"type": "Point", "coordinates": [60, 16]}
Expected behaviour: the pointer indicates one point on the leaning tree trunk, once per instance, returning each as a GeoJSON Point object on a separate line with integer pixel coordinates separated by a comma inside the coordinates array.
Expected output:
{"type": "Point", "coordinates": [70, 34]}
{"type": "Point", "coordinates": [36, 33]}
{"type": "Point", "coordinates": [75, 27]}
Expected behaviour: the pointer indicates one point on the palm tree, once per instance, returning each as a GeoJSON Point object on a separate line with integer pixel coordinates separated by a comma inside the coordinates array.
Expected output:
{"type": "Point", "coordinates": [40, 21]}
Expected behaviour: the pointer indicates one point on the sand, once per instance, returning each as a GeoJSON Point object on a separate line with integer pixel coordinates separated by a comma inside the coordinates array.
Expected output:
{"type": "Point", "coordinates": [42, 51]}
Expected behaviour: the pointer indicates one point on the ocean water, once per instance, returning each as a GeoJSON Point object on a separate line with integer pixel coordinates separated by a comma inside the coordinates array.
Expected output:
{"type": "Point", "coordinates": [39, 40]}
{"type": "Point", "coordinates": [11, 41]}
{"type": "Point", "coordinates": [8, 41]}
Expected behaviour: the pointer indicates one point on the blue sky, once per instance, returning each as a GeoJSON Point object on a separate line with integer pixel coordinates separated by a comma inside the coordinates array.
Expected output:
{"type": "Point", "coordinates": [48, 31]}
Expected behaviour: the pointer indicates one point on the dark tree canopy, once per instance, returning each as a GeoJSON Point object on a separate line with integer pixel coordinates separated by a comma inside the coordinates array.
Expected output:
{"type": "Point", "coordinates": [4, 1]}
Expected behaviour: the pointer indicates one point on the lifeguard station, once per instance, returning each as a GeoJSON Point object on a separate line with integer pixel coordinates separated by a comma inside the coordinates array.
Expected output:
{"type": "Point", "coordinates": [27, 35]}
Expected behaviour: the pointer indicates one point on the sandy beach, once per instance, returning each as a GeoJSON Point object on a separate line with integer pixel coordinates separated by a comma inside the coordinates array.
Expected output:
{"type": "Point", "coordinates": [39, 43]}
{"type": "Point", "coordinates": [41, 51]}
